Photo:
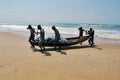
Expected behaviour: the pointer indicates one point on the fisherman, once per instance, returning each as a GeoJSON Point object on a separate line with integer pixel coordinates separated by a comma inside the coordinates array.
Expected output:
{"type": "Point", "coordinates": [41, 38]}
{"type": "Point", "coordinates": [91, 37]}
{"type": "Point", "coordinates": [32, 35]}
{"type": "Point", "coordinates": [81, 33]}
{"type": "Point", "coordinates": [57, 36]}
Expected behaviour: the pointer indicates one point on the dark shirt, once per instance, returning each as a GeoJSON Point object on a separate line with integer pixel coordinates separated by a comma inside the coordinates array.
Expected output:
{"type": "Point", "coordinates": [57, 34]}
{"type": "Point", "coordinates": [32, 31]}
{"type": "Point", "coordinates": [91, 33]}
{"type": "Point", "coordinates": [32, 34]}
{"type": "Point", "coordinates": [42, 33]}
{"type": "Point", "coordinates": [81, 32]}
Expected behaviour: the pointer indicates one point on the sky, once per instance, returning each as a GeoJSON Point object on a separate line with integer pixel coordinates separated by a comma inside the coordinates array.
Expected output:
{"type": "Point", "coordinates": [60, 11]}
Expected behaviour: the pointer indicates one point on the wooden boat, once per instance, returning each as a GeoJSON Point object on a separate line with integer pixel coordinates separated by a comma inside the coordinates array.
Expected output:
{"type": "Point", "coordinates": [69, 42]}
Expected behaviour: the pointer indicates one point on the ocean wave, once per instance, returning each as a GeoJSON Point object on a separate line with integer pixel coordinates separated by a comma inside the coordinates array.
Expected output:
{"type": "Point", "coordinates": [101, 32]}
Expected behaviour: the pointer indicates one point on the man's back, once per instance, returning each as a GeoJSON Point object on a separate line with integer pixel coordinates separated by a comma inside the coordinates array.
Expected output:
{"type": "Point", "coordinates": [42, 33]}
{"type": "Point", "coordinates": [57, 34]}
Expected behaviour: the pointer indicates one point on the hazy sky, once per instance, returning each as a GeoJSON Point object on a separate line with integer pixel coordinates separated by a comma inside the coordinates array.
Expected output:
{"type": "Point", "coordinates": [60, 11]}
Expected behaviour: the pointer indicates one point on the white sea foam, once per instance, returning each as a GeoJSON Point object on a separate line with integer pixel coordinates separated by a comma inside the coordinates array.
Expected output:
{"type": "Point", "coordinates": [107, 34]}
{"type": "Point", "coordinates": [100, 33]}
{"type": "Point", "coordinates": [12, 27]}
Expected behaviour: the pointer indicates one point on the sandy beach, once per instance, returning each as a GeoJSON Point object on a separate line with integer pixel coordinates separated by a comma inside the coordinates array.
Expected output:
{"type": "Point", "coordinates": [80, 62]}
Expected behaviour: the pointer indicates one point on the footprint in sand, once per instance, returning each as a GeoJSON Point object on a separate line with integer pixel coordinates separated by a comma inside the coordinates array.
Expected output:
{"type": "Point", "coordinates": [45, 73]}
{"type": "Point", "coordinates": [1, 66]}
{"type": "Point", "coordinates": [16, 70]}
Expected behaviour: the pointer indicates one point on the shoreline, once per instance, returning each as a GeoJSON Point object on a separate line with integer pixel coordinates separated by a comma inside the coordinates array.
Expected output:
{"type": "Point", "coordinates": [96, 39]}
{"type": "Point", "coordinates": [107, 41]}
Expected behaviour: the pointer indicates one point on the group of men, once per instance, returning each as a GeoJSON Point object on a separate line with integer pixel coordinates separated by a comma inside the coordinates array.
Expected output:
{"type": "Point", "coordinates": [57, 36]}
{"type": "Point", "coordinates": [91, 35]}
{"type": "Point", "coordinates": [42, 36]}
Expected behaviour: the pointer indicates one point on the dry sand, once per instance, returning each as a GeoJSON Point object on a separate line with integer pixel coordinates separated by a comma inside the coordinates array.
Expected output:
{"type": "Point", "coordinates": [19, 62]}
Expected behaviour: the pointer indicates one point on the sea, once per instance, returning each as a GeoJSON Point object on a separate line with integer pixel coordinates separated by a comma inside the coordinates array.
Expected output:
{"type": "Point", "coordinates": [102, 31]}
